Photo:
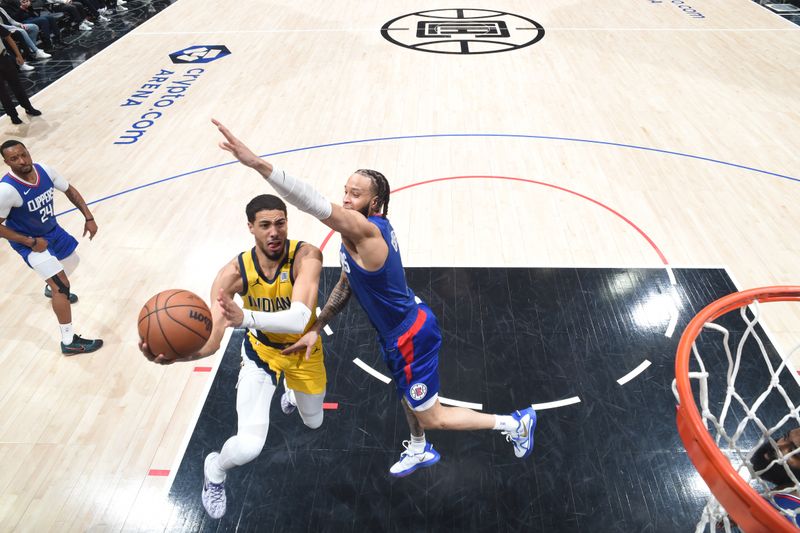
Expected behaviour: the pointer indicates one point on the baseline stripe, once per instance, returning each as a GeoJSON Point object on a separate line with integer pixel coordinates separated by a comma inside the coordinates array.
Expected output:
{"type": "Point", "coordinates": [459, 403]}
{"type": "Point", "coordinates": [371, 371]}
{"type": "Point", "coordinates": [557, 403]}
{"type": "Point", "coordinates": [635, 372]}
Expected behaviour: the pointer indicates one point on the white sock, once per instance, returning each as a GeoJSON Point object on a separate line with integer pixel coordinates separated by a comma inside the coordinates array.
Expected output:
{"type": "Point", "coordinates": [505, 423]}
{"type": "Point", "coordinates": [66, 333]}
{"type": "Point", "coordinates": [417, 444]}
{"type": "Point", "coordinates": [212, 470]}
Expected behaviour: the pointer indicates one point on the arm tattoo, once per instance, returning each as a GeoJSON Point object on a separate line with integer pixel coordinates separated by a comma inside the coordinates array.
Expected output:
{"type": "Point", "coordinates": [77, 200]}
{"type": "Point", "coordinates": [336, 302]}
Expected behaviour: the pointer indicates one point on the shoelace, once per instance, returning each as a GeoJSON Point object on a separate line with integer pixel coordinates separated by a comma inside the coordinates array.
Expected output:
{"type": "Point", "coordinates": [217, 491]}
{"type": "Point", "coordinates": [406, 453]}
{"type": "Point", "coordinates": [511, 436]}
{"type": "Point", "coordinates": [411, 455]}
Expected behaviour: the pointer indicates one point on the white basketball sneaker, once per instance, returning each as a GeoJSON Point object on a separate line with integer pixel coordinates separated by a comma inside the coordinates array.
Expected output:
{"type": "Point", "coordinates": [214, 499]}
{"type": "Point", "coordinates": [522, 438]}
{"type": "Point", "coordinates": [410, 461]}
{"type": "Point", "coordinates": [288, 402]}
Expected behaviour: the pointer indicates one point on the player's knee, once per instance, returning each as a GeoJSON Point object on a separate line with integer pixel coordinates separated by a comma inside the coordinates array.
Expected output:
{"type": "Point", "coordinates": [312, 420]}
{"type": "Point", "coordinates": [430, 420]}
{"type": "Point", "coordinates": [248, 447]}
{"type": "Point", "coordinates": [62, 284]}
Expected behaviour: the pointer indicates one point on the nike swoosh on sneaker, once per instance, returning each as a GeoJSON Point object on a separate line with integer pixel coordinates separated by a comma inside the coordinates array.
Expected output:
{"type": "Point", "coordinates": [79, 349]}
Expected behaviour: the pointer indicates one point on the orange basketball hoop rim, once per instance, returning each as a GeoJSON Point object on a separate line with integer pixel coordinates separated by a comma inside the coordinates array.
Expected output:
{"type": "Point", "coordinates": [751, 512]}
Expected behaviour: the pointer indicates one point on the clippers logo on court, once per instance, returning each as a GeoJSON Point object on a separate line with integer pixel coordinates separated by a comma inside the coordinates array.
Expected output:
{"type": "Point", "coordinates": [200, 54]}
{"type": "Point", "coordinates": [462, 31]}
{"type": "Point", "coordinates": [418, 391]}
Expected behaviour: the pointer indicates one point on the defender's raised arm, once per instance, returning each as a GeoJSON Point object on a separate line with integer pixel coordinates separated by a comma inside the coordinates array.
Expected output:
{"type": "Point", "coordinates": [351, 224]}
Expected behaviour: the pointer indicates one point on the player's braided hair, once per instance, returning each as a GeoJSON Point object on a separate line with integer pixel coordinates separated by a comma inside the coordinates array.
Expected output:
{"type": "Point", "coordinates": [381, 185]}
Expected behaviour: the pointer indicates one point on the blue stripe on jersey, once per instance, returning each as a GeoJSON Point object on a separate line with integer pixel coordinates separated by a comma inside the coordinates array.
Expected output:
{"type": "Point", "coordinates": [384, 294]}
{"type": "Point", "coordinates": [35, 216]}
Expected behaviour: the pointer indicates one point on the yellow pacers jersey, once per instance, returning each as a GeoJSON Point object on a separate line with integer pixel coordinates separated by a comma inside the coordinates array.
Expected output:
{"type": "Point", "coordinates": [271, 295]}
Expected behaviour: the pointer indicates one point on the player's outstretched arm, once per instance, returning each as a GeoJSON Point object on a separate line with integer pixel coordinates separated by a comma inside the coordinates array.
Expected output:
{"type": "Point", "coordinates": [90, 226]}
{"type": "Point", "coordinates": [241, 152]}
{"type": "Point", "coordinates": [229, 282]}
{"type": "Point", "coordinates": [339, 297]}
{"type": "Point", "coordinates": [351, 224]}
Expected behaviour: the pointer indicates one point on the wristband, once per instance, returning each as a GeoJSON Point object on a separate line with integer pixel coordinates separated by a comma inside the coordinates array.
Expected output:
{"type": "Point", "coordinates": [249, 321]}
{"type": "Point", "coordinates": [89, 219]}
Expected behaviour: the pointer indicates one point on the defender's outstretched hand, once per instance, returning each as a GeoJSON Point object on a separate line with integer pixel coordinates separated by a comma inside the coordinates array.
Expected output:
{"type": "Point", "coordinates": [306, 343]}
{"type": "Point", "coordinates": [240, 151]}
{"type": "Point", "coordinates": [234, 316]}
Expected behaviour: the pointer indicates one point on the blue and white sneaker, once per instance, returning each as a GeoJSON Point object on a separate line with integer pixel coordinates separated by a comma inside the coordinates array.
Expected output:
{"type": "Point", "coordinates": [213, 496]}
{"type": "Point", "coordinates": [522, 438]}
{"type": "Point", "coordinates": [410, 461]}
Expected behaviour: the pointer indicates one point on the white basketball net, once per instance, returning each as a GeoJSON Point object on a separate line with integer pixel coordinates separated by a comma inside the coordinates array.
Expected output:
{"type": "Point", "coordinates": [737, 428]}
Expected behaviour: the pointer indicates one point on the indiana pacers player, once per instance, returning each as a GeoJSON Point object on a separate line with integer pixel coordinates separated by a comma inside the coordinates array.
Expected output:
{"type": "Point", "coordinates": [278, 281]}
{"type": "Point", "coordinates": [408, 333]}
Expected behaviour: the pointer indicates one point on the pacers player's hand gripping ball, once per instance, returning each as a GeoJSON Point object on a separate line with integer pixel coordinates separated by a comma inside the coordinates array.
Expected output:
{"type": "Point", "coordinates": [175, 323]}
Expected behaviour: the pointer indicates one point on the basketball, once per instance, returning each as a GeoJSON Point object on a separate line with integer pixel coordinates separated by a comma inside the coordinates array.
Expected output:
{"type": "Point", "coordinates": [175, 323]}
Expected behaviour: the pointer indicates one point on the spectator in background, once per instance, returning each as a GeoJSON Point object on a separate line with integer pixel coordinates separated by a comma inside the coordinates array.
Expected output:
{"type": "Point", "coordinates": [28, 34]}
{"type": "Point", "coordinates": [115, 5]}
{"type": "Point", "coordinates": [23, 11]}
{"type": "Point", "coordinates": [93, 9]}
{"type": "Point", "coordinates": [75, 12]}
{"type": "Point", "coordinates": [8, 74]}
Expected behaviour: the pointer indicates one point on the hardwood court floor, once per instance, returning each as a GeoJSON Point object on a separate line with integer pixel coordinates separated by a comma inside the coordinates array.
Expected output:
{"type": "Point", "coordinates": [637, 136]}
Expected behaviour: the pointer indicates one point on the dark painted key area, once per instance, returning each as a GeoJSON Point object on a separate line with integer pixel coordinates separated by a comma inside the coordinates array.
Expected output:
{"type": "Point", "coordinates": [611, 463]}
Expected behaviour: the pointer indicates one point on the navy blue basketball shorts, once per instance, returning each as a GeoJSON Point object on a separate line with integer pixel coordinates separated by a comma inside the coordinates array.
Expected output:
{"type": "Point", "coordinates": [60, 245]}
{"type": "Point", "coordinates": [413, 359]}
